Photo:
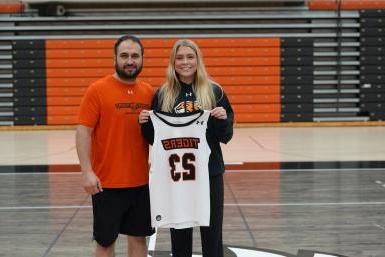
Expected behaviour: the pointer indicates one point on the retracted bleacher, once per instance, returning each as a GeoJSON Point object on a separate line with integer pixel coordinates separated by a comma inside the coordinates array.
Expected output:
{"type": "Point", "coordinates": [303, 63]}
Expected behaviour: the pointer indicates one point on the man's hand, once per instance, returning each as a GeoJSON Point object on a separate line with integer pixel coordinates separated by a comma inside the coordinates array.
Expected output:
{"type": "Point", "coordinates": [91, 182]}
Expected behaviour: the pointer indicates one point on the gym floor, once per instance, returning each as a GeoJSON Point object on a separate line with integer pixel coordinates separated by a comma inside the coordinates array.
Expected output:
{"type": "Point", "coordinates": [303, 191]}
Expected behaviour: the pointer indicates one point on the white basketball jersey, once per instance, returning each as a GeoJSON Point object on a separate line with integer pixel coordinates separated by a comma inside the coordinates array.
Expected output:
{"type": "Point", "coordinates": [179, 178]}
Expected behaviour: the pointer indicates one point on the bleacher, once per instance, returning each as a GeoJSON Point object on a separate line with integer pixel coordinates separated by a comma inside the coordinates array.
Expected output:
{"type": "Point", "coordinates": [294, 61]}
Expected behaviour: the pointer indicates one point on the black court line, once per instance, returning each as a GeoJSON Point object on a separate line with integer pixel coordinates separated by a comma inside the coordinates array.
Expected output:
{"type": "Point", "coordinates": [305, 165]}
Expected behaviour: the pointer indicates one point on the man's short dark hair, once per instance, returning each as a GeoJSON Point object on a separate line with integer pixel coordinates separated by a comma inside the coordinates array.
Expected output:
{"type": "Point", "coordinates": [128, 37]}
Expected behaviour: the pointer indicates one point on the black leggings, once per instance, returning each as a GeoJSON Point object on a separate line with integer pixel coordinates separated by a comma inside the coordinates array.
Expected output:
{"type": "Point", "coordinates": [212, 246]}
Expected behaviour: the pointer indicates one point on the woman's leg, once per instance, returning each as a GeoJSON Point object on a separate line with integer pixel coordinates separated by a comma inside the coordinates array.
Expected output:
{"type": "Point", "coordinates": [181, 242]}
{"type": "Point", "coordinates": [212, 245]}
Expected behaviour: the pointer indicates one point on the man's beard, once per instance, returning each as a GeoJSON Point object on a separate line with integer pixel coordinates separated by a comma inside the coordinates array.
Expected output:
{"type": "Point", "coordinates": [128, 75]}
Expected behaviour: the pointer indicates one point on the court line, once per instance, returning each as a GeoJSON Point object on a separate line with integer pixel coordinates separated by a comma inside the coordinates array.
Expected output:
{"type": "Point", "coordinates": [317, 170]}
{"type": "Point", "coordinates": [263, 147]}
{"type": "Point", "coordinates": [6, 208]}
{"type": "Point", "coordinates": [39, 173]}
{"type": "Point", "coordinates": [304, 204]}
{"type": "Point", "coordinates": [227, 171]}
{"type": "Point", "coordinates": [152, 241]}
{"type": "Point", "coordinates": [241, 213]}
{"type": "Point", "coordinates": [52, 244]}
{"type": "Point", "coordinates": [10, 208]}
{"type": "Point", "coordinates": [379, 226]}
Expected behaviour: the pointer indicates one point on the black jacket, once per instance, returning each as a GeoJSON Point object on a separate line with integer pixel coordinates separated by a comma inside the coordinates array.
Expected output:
{"type": "Point", "coordinates": [218, 131]}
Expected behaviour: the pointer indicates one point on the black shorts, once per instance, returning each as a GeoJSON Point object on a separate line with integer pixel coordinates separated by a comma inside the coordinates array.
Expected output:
{"type": "Point", "coordinates": [121, 211]}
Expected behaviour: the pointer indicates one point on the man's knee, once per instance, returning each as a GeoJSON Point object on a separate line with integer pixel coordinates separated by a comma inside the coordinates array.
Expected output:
{"type": "Point", "coordinates": [137, 240]}
{"type": "Point", "coordinates": [137, 246]}
{"type": "Point", "coordinates": [105, 251]}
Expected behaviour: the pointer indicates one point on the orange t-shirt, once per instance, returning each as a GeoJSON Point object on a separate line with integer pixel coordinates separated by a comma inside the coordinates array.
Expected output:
{"type": "Point", "coordinates": [119, 153]}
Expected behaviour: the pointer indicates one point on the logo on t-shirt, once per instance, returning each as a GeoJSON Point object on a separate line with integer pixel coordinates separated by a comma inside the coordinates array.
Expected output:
{"type": "Point", "coordinates": [132, 106]}
{"type": "Point", "coordinates": [187, 106]}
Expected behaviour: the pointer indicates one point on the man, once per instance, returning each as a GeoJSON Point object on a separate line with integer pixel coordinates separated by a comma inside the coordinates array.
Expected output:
{"type": "Point", "coordinates": [113, 155]}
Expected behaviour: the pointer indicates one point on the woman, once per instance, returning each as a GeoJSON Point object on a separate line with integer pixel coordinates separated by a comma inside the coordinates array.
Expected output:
{"type": "Point", "coordinates": [187, 89]}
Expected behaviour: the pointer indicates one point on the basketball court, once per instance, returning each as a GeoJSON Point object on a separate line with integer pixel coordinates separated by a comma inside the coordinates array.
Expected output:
{"type": "Point", "coordinates": [295, 186]}
{"type": "Point", "coordinates": [310, 191]}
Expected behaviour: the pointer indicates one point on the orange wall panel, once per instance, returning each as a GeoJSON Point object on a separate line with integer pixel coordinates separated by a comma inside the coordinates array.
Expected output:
{"type": "Point", "coordinates": [248, 80]}
{"type": "Point", "coordinates": [346, 4]}
{"type": "Point", "coordinates": [247, 68]}
{"type": "Point", "coordinates": [70, 82]}
{"type": "Point", "coordinates": [65, 91]}
{"type": "Point", "coordinates": [80, 44]}
{"type": "Point", "coordinates": [79, 53]}
{"type": "Point", "coordinates": [256, 117]}
{"type": "Point", "coordinates": [70, 73]}
{"type": "Point", "coordinates": [62, 110]}
{"type": "Point", "coordinates": [242, 61]}
{"type": "Point", "coordinates": [63, 101]}
{"type": "Point", "coordinates": [254, 99]}
{"type": "Point", "coordinates": [61, 119]}
{"type": "Point", "coordinates": [241, 52]}
{"type": "Point", "coordinates": [242, 73]}
{"type": "Point", "coordinates": [253, 89]}
{"type": "Point", "coordinates": [11, 8]}
{"type": "Point", "coordinates": [79, 63]}
{"type": "Point", "coordinates": [322, 4]}
{"type": "Point", "coordinates": [215, 42]}
{"type": "Point", "coordinates": [257, 108]}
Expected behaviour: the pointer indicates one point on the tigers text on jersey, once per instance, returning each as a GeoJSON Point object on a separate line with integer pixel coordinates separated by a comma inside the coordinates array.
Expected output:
{"type": "Point", "coordinates": [179, 178]}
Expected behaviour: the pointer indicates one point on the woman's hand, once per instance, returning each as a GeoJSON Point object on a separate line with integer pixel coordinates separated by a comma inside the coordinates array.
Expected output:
{"type": "Point", "coordinates": [144, 116]}
{"type": "Point", "coordinates": [219, 113]}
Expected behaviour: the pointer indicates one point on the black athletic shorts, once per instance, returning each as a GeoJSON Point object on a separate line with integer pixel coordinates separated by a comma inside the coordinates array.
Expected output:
{"type": "Point", "coordinates": [121, 211]}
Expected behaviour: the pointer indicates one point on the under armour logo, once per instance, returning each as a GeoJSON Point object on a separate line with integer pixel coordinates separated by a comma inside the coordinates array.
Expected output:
{"type": "Point", "coordinates": [200, 122]}
{"type": "Point", "coordinates": [189, 94]}
{"type": "Point", "coordinates": [130, 91]}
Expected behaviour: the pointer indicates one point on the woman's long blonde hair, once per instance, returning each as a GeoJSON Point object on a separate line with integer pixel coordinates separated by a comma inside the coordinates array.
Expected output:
{"type": "Point", "coordinates": [202, 85]}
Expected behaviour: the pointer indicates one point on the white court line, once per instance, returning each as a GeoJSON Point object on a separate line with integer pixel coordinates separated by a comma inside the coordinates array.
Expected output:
{"type": "Point", "coordinates": [40, 173]}
{"type": "Point", "coordinates": [152, 241]}
{"type": "Point", "coordinates": [226, 204]}
{"type": "Point", "coordinates": [379, 226]}
{"type": "Point", "coordinates": [45, 207]}
{"type": "Point", "coordinates": [234, 163]}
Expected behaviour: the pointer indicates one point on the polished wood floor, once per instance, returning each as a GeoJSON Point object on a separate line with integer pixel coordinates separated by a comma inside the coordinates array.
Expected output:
{"type": "Point", "coordinates": [311, 192]}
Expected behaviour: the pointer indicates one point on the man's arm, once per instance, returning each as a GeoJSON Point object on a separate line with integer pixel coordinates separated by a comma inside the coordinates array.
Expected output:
{"type": "Point", "coordinates": [91, 182]}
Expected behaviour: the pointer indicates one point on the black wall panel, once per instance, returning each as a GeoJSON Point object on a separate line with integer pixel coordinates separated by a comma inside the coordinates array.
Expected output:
{"type": "Point", "coordinates": [29, 82]}
{"type": "Point", "coordinates": [297, 68]}
{"type": "Point", "coordinates": [372, 63]}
